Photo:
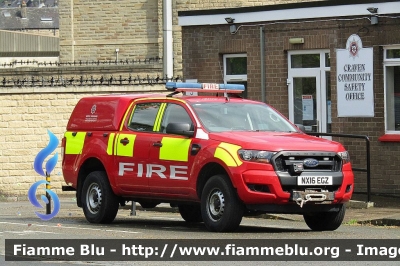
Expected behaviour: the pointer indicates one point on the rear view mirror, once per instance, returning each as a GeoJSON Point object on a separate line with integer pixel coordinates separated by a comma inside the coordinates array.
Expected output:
{"type": "Point", "coordinates": [301, 127]}
{"type": "Point", "coordinates": [183, 129]}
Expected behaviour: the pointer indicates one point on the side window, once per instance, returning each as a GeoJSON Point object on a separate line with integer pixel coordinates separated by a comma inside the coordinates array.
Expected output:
{"type": "Point", "coordinates": [144, 116]}
{"type": "Point", "coordinates": [174, 113]}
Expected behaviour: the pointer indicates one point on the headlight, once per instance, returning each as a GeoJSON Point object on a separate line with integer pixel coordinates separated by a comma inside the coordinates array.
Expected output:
{"type": "Point", "coordinates": [256, 156]}
{"type": "Point", "coordinates": [345, 156]}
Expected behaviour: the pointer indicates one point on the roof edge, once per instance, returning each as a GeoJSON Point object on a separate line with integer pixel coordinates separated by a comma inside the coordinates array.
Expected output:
{"type": "Point", "coordinates": [325, 3]}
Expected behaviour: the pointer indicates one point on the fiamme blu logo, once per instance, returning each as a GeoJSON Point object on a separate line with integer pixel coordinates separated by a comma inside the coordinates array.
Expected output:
{"type": "Point", "coordinates": [50, 196]}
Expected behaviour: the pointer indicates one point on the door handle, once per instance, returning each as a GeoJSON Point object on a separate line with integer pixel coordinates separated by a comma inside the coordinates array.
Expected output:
{"type": "Point", "coordinates": [157, 144]}
{"type": "Point", "coordinates": [124, 141]}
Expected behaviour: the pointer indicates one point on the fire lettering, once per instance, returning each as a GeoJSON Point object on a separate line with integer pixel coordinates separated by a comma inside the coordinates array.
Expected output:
{"type": "Point", "coordinates": [177, 172]}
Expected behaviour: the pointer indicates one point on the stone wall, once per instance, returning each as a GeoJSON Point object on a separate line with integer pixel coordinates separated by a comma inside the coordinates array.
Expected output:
{"type": "Point", "coordinates": [31, 103]}
{"type": "Point", "coordinates": [25, 116]}
{"type": "Point", "coordinates": [93, 30]}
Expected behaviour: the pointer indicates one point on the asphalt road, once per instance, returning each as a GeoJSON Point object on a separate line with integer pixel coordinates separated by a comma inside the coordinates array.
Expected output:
{"type": "Point", "coordinates": [18, 221]}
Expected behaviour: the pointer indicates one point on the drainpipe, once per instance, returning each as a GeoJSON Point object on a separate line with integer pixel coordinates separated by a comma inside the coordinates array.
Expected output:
{"type": "Point", "coordinates": [168, 64]}
{"type": "Point", "coordinates": [72, 31]}
{"type": "Point", "coordinates": [262, 60]}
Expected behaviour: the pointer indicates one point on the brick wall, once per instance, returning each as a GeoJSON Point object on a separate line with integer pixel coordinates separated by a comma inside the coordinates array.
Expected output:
{"type": "Point", "coordinates": [25, 116]}
{"type": "Point", "coordinates": [203, 47]}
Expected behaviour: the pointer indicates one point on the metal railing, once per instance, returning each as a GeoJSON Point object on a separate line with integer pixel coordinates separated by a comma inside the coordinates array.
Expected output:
{"type": "Point", "coordinates": [64, 81]}
{"type": "Point", "coordinates": [30, 63]}
{"type": "Point", "coordinates": [368, 156]}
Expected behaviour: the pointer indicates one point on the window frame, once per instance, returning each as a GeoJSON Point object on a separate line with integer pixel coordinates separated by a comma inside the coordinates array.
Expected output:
{"type": "Point", "coordinates": [233, 78]}
{"type": "Point", "coordinates": [390, 135]}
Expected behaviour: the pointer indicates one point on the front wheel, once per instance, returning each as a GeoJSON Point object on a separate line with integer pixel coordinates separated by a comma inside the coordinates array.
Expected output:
{"type": "Point", "coordinates": [325, 221]}
{"type": "Point", "coordinates": [100, 204]}
{"type": "Point", "coordinates": [221, 208]}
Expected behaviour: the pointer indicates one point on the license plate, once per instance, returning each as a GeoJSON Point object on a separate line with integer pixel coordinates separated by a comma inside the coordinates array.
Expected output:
{"type": "Point", "coordinates": [314, 180]}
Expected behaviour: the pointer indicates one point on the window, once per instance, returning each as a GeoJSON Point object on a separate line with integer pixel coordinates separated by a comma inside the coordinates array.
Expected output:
{"type": "Point", "coordinates": [305, 60]}
{"type": "Point", "coordinates": [144, 116]}
{"type": "Point", "coordinates": [392, 89]}
{"type": "Point", "coordinates": [236, 65]}
{"type": "Point", "coordinates": [393, 53]}
{"type": "Point", "coordinates": [235, 70]}
{"type": "Point", "coordinates": [175, 113]}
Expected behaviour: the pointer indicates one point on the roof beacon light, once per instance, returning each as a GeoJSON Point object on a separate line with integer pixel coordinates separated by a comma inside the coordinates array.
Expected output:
{"type": "Point", "coordinates": [204, 87]}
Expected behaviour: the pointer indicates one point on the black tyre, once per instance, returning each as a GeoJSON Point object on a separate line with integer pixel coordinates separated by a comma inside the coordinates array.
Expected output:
{"type": "Point", "coordinates": [325, 221]}
{"type": "Point", "coordinates": [191, 213]}
{"type": "Point", "coordinates": [221, 208]}
{"type": "Point", "coordinates": [100, 204]}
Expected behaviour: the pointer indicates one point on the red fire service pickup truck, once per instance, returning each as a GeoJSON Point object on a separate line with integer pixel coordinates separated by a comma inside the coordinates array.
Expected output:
{"type": "Point", "coordinates": [217, 157]}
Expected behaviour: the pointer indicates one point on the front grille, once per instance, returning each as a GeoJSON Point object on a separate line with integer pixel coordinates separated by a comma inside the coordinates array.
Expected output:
{"type": "Point", "coordinates": [290, 161]}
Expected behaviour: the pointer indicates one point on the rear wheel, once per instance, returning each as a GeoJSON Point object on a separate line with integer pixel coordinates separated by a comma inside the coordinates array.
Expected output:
{"type": "Point", "coordinates": [100, 204]}
{"type": "Point", "coordinates": [325, 221]}
{"type": "Point", "coordinates": [221, 208]}
{"type": "Point", "coordinates": [191, 213]}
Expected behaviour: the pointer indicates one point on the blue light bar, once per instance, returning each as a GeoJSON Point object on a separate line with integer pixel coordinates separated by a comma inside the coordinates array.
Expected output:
{"type": "Point", "coordinates": [204, 87]}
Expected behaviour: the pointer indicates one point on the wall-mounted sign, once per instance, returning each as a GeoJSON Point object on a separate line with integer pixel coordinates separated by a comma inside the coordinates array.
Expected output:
{"type": "Point", "coordinates": [355, 94]}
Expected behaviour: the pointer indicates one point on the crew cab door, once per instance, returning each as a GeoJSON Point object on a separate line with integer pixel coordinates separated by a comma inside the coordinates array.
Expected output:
{"type": "Point", "coordinates": [171, 154]}
{"type": "Point", "coordinates": [133, 145]}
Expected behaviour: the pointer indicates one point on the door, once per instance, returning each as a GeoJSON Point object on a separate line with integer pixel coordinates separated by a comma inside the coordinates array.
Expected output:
{"type": "Point", "coordinates": [309, 90]}
{"type": "Point", "coordinates": [133, 146]}
{"type": "Point", "coordinates": [171, 156]}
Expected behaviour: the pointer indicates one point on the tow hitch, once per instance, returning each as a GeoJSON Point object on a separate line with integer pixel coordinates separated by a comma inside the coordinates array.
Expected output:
{"type": "Point", "coordinates": [302, 197]}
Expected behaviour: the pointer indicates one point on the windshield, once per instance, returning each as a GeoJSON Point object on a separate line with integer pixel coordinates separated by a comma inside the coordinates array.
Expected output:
{"type": "Point", "coordinates": [231, 116]}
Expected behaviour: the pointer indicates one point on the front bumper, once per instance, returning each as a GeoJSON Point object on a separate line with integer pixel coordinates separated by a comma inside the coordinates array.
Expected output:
{"type": "Point", "coordinates": [264, 187]}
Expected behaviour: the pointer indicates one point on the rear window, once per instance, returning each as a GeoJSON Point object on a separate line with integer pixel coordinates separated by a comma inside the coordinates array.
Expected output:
{"type": "Point", "coordinates": [144, 116]}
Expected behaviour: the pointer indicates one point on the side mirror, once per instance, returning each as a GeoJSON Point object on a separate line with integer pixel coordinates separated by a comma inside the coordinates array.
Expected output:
{"type": "Point", "coordinates": [183, 129]}
{"type": "Point", "coordinates": [301, 127]}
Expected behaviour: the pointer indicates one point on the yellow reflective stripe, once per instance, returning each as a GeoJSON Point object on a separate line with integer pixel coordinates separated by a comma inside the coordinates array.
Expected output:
{"type": "Point", "coordinates": [174, 149]}
{"type": "Point", "coordinates": [125, 150]}
{"type": "Point", "coordinates": [110, 144]}
{"type": "Point", "coordinates": [74, 144]}
{"type": "Point", "coordinates": [124, 119]}
{"type": "Point", "coordinates": [228, 154]}
{"type": "Point", "coordinates": [157, 122]}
